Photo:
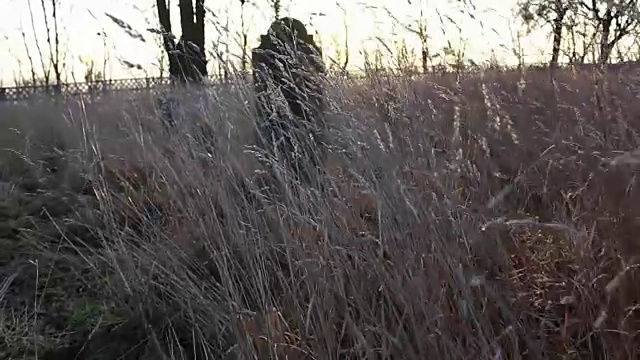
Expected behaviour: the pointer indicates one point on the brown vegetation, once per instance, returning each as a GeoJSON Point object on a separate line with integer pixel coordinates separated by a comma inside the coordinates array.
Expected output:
{"type": "Point", "coordinates": [493, 217]}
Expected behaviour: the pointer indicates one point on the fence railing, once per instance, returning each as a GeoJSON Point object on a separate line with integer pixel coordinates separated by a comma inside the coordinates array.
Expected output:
{"type": "Point", "coordinates": [98, 88]}
{"type": "Point", "coordinates": [93, 88]}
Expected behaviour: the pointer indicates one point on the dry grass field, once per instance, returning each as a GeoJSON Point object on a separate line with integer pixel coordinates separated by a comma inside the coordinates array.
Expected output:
{"type": "Point", "coordinates": [494, 216]}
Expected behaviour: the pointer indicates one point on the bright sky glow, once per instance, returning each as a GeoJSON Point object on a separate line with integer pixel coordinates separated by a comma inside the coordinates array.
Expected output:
{"type": "Point", "coordinates": [368, 22]}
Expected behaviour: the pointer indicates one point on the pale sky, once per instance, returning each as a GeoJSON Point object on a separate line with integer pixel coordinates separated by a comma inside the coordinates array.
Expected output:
{"type": "Point", "coordinates": [82, 22]}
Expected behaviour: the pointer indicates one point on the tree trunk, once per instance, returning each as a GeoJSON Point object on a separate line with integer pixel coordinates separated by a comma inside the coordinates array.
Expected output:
{"type": "Point", "coordinates": [558, 24]}
{"type": "Point", "coordinates": [168, 39]}
{"type": "Point", "coordinates": [187, 59]}
{"type": "Point", "coordinates": [605, 53]}
{"type": "Point", "coordinates": [245, 39]}
{"type": "Point", "coordinates": [605, 46]}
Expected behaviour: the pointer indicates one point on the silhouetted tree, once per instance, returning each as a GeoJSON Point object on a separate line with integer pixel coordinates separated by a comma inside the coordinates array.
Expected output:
{"type": "Point", "coordinates": [610, 20]}
{"type": "Point", "coordinates": [55, 59]}
{"type": "Point", "coordinates": [244, 37]}
{"type": "Point", "coordinates": [537, 13]}
{"type": "Point", "coordinates": [187, 59]}
{"type": "Point", "coordinates": [275, 6]}
{"type": "Point", "coordinates": [613, 21]}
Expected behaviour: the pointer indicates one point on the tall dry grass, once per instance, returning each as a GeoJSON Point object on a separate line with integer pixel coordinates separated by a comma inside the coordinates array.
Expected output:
{"type": "Point", "coordinates": [488, 216]}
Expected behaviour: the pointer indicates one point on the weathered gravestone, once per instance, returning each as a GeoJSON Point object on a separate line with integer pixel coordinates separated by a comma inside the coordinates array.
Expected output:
{"type": "Point", "coordinates": [287, 75]}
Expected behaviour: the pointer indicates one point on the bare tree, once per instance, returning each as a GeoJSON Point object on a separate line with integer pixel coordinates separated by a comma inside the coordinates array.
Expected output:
{"type": "Point", "coordinates": [46, 66]}
{"type": "Point", "coordinates": [613, 20]}
{"type": "Point", "coordinates": [419, 28]}
{"type": "Point", "coordinates": [517, 50]}
{"type": "Point", "coordinates": [34, 77]}
{"type": "Point", "coordinates": [635, 50]}
{"type": "Point", "coordinates": [225, 57]}
{"type": "Point", "coordinates": [244, 38]}
{"type": "Point", "coordinates": [580, 38]}
{"type": "Point", "coordinates": [347, 50]}
{"type": "Point", "coordinates": [54, 49]}
{"type": "Point", "coordinates": [187, 59]}
{"type": "Point", "coordinates": [53, 59]}
{"type": "Point", "coordinates": [421, 31]}
{"type": "Point", "coordinates": [276, 6]}
{"type": "Point", "coordinates": [539, 13]}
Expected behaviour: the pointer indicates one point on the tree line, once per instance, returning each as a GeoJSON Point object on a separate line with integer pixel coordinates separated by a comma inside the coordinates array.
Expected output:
{"type": "Point", "coordinates": [580, 28]}
{"type": "Point", "coordinates": [581, 31]}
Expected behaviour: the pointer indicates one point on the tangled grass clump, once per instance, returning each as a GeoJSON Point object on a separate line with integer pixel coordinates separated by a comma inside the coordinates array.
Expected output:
{"type": "Point", "coordinates": [488, 217]}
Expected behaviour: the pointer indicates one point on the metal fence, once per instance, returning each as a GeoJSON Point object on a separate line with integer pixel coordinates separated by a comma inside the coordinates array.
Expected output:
{"type": "Point", "coordinates": [94, 89]}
